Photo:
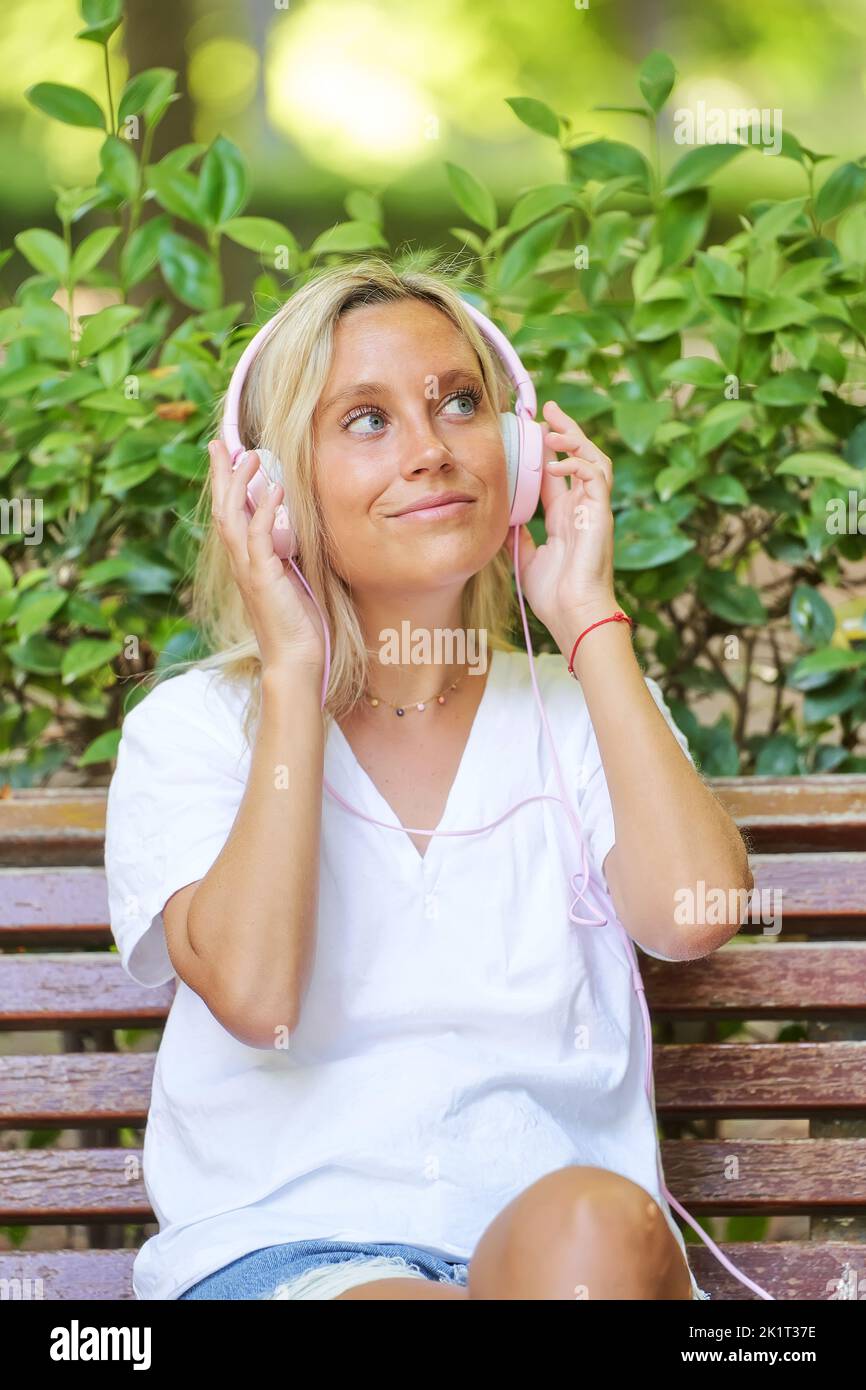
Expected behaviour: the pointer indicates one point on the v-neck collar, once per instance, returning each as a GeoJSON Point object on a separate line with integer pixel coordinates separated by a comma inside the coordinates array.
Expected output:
{"type": "Point", "coordinates": [384, 811]}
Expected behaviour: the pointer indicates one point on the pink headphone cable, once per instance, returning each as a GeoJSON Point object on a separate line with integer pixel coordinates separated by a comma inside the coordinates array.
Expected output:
{"type": "Point", "coordinates": [565, 801]}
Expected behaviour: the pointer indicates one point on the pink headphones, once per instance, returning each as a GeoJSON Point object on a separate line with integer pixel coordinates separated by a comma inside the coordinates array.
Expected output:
{"type": "Point", "coordinates": [522, 435]}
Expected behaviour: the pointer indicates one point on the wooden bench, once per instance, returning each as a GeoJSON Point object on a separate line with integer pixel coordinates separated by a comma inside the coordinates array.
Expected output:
{"type": "Point", "coordinates": [808, 839]}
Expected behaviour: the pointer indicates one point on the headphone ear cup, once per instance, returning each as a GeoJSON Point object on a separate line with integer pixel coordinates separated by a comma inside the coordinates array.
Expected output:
{"type": "Point", "coordinates": [271, 470]}
{"type": "Point", "coordinates": [524, 454]}
{"type": "Point", "coordinates": [511, 439]}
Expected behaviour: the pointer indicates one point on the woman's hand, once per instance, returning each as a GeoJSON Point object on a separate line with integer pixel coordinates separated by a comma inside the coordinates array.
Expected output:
{"type": "Point", "coordinates": [572, 572]}
{"type": "Point", "coordinates": [284, 618]}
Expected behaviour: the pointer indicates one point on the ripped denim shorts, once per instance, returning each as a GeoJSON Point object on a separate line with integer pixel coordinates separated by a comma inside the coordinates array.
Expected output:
{"type": "Point", "coordinates": [322, 1269]}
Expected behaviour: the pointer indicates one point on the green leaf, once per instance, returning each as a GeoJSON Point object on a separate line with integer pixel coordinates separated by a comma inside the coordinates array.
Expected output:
{"type": "Point", "coordinates": [656, 78]}
{"type": "Point", "coordinates": [45, 251]}
{"type": "Point", "coordinates": [102, 749]}
{"type": "Point", "coordinates": [184, 460]}
{"type": "Point", "coordinates": [92, 250]}
{"type": "Point", "coordinates": [608, 159]}
{"type": "Point", "coordinates": [102, 17]}
{"type": "Point", "coordinates": [682, 470]}
{"type": "Point", "coordinates": [141, 252]}
{"type": "Point", "coordinates": [660, 318]}
{"type": "Point", "coordinates": [637, 421]}
{"type": "Point", "coordinates": [803, 276]}
{"type": "Point", "coordinates": [348, 236]}
{"type": "Point", "coordinates": [20, 380]}
{"type": "Point", "coordinates": [525, 252]}
{"type": "Point", "coordinates": [363, 206]}
{"type": "Point", "coordinates": [778, 312]}
{"type": "Point", "coordinates": [720, 591]}
{"type": "Point", "coordinates": [820, 667]}
{"type": "Point", "coordinates": [90, 654]}
{"type": "Point", "coordinates": [147, 94]}
{"type": "Point", "coordinates": [540, 201]}
{"type": "Point", "coordinates": [36, 609]}
{"type": "Point", "coordinates": [834, 699]}
{"type": "Point", "coordinates": [472, 196]}
{"type": "Point", "coordinates": [779, 757]}
{"type": "Point", "coordinates": [98, 330]}
{"type": "Point", "coordinates": [66, 104]}
{"type": "Point", "coordinates": [115, 402]}
{"type": "Point", "coordinates": [190, 272]}
{"type": "Point", "coordinates": [119, 166]}
{"type": "Point", "coordinates": [698, 166]}
{"type": "Point", "coordinates": [177, 191]}
{"type": "Point", "coordinates": [130, 572]}
{"type": "Point", "coordinates": [260, 234]}
{"type": "Point", "coordinates": [681, 225]}
{"type": "Point", "coordinates": [37, 655]}
{"type": "Point", "coordinates": [793, 387]}
{"type": "Point", "coordinates": [646, 268]}
{"type": "Point", "coordinates": [646, 539]}
{"type": "Point", "coordinates": [720, 423]}
{"type": "Point", "coordinates": [222, 181]}
{"type": "Point", "coordinates": [840, 190]}
{"type": "Point", "coordinates": [716, 752]}
{"type": "Point", "coordinates": [715, 276]}
{"type": "Point", "coordinates": [114, 363]}
{"type": "Point", "coordinates": [812, 463]}
{"type": "Point", "coordinates": [851, 234]}
{"type": "Point", "coordinates": [778, 219]}
{"type": "Point", "coordinates": [536, 114]}
{"type": "Point", "coordinates": [811, 616]}
{"type": "Point", "coordinates": [727, 491]}
{"type": "Point", "coordinates": [696, 371]}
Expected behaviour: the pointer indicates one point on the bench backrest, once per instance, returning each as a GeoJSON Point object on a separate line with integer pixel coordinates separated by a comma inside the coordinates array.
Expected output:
{"type": "Point", "coordinates": [59, 972]}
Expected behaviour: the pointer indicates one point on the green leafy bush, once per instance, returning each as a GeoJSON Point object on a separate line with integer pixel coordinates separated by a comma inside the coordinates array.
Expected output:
{"type": "Point", "coordinates": [725, 380]}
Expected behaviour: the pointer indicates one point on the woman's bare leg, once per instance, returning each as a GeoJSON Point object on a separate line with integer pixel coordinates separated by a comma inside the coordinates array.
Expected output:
{"type": "Point", "coordinates": [580, 1233]}
{"type": "Point", "coordinates": [403, 1288]}
{"type": "Point", "coordinates": [577, 1233]}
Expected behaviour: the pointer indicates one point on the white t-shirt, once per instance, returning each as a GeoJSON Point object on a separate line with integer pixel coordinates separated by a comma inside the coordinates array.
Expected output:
{"type": "Point", "coordinates": [459, 1037]}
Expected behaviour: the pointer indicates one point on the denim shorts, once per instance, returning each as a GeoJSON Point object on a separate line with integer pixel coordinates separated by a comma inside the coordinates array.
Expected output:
{"type": "Point", "coordinates": [321, 1269]}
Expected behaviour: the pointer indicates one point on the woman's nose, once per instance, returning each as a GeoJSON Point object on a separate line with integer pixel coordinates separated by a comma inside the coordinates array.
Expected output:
{"type": "Point", "coordinates": [425, 451]}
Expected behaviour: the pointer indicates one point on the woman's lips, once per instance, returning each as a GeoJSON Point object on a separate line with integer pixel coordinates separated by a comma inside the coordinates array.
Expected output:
{"type": "Point", "coordinates": [439, 513]}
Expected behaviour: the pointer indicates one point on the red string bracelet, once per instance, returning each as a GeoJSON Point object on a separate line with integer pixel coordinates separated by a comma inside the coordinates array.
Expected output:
{"type": "Point", "coordinates": [618, 617]}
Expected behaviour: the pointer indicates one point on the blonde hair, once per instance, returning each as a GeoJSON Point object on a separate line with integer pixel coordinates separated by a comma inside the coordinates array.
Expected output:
{"type": "Point", "coordinates": [279, 398]}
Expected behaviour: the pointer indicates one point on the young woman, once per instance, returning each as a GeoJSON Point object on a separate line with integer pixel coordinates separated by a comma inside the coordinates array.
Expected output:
{"type": "Point", "coordinates": [393, 1066]}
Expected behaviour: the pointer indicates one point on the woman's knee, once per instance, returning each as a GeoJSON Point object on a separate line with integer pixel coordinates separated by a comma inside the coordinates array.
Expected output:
{"type": "Point", "coordinates": [580, 1220]}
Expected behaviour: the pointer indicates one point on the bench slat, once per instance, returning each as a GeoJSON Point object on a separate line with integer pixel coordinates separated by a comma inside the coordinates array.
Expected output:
{"type": "Point", "coordinates": [808, 979]}
{"type": "Point", "coordinates": [815, 893]}
{"type": "Point", "coordinates": [735, 1080]}
{"type": "Point", "coordinates": [776, 1176]}
{"type": "Point", "coordinates": [810, 1271]}
{"type": "Point", "coordinates": [779, 814]}
{"type": "Point", "coordinates": [786, 814]}
{"type": "Point", "coordinates": [77, 991]}
{"type": "Point", "coordinates": [801, 980]}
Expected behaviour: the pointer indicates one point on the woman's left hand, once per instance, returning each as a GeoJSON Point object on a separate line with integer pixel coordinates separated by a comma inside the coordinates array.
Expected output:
{"type": "Point", "coordinates": [572, 572]}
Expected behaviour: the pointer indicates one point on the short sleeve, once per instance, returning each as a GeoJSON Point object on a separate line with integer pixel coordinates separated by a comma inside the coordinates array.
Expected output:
{"type": "Point", "coordinates": [178, 781]}
{"type": "Point", "coordinates": [596, 810]}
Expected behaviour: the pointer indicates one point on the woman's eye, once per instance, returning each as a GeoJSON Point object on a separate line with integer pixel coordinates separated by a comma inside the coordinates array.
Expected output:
{"type": "Point", "coordinates": [466, 398]}
{"type": "Point", "coordinates": [467, 401]}
{"type": "Point", "coordinates": [364, 415]}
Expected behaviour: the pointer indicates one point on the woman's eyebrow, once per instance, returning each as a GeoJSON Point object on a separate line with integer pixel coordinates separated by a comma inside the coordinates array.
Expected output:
{"type": "Point", "coordinates": [371, 388]}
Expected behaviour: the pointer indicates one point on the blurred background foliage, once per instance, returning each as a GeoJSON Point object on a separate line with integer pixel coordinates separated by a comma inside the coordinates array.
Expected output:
{"type": "Point", "coordinates": [249, 146]}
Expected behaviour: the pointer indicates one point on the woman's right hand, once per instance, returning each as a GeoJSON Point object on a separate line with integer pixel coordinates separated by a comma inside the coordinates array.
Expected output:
{"type": "Point", "coordinates": [285, 620]}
